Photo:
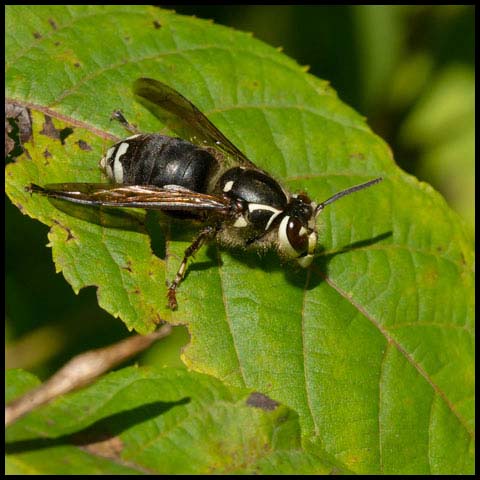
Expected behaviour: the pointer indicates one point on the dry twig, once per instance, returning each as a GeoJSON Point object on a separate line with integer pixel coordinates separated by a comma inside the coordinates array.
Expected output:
{"type": "Point", "coordinates": [80, 370]}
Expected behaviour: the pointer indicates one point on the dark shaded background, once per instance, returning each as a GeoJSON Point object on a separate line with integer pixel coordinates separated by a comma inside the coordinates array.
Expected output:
{"type": "Point", "coordinates": [408, 69]}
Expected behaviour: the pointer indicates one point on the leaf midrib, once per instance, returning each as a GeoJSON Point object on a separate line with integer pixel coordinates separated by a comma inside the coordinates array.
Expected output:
{"type": "Point", "coordinates": [391, 341]}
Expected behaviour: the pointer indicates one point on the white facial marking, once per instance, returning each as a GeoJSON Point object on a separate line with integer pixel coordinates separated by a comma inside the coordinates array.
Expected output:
{"type": "Point", "coordinates": [240, 222]}
{"type": "Point", "coordinates": [109, 171]}
{"type": "Point", "coordinates": [228, 186]}
{"type": "Point", "coordinates": [285, 245]}
{"type": "Point", "coordinates": [117, 165]}
{"type": "Point", "coordinates": [305, 261]}
{"type": "Point", "coordinates": [134, 136]}
{"type": "Point", "coordinates": [312, 242]}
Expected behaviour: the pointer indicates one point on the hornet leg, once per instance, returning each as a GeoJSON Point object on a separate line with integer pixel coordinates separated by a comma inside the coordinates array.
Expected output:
{"type": "Point", "coordinates": [204, 235]}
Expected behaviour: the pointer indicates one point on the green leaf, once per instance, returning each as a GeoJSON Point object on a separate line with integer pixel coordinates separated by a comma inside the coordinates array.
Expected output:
{"type": "Point", "coordinates": [32, 454]}
{"type": "Point", "coordinates": [145, 420]}
{"type": "Point", "coordinates": [372, 346]}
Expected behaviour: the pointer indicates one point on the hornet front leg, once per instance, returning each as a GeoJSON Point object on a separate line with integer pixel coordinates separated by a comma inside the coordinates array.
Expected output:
{"type": "Point", "coordinates": [205, 234]}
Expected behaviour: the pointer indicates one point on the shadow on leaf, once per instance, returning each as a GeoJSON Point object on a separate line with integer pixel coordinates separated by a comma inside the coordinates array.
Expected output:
{"type": "Point", "coordinates": [270, 262]}
{"type": "Point", "coordinates": [320, 265]}
{"type": "Point", "coordinates": [101, 430]}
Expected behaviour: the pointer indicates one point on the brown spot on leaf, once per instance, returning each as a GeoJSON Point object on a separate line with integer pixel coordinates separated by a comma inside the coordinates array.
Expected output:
{"type": "Point", "coordinates": [18, 128]}
{"type": "Point", "coordinates": [157, 24]}
{"type": "Point", "coordinates": [357, 156]}
{"type": "Point", "coordinates": [84, 145]}
{"type": "Point", "coordinates": [128, 267]}
{"type": "Point", "coordinates": [47, 155]}
{"type": "Point", "coordinates": [57, 43]}
{"type": "Point", "coordinates": [137, 291]}
{"type": "Point", "coordinates": [37, 35]}
{"type": "Point", "coordinates": [76, 64]}
{"type": "Point", "coordinates": [49, 130]}
{"type": "Point", "coordinates": [259, 400]}
{"type": "Point", "coordinates": [53, 24]}
{"type": "Point", "coordinates": [9, 143]}
{"type": "Point", "coordinates": [70, 235]}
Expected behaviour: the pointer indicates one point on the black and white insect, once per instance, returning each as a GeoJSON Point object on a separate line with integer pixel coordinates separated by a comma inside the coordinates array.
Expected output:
{"type": "Point", "coordinates": [201, 176]}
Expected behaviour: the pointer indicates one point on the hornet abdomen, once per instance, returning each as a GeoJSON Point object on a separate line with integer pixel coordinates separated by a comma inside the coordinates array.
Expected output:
{"type": "Point", "coordinates": [153, 159]}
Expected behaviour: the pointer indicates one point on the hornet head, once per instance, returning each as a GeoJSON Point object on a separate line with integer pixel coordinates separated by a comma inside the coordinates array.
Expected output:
{"type": "Point", "coordinates": [297, 231]}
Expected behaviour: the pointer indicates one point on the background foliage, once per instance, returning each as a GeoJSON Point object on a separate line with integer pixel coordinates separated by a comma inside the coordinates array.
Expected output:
{"type": "Point", "coordinates": [60, 332]}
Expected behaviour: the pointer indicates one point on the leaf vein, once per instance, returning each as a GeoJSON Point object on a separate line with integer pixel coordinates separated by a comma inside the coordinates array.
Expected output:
{"type": "Point", "coordinates": [227, 318]}
{"type": "Point", "coordinates": [305, 374]}
{"type": "Point", "coordinates": [404, 352]}
{"type": "Point", "coordinates": [380, 403]}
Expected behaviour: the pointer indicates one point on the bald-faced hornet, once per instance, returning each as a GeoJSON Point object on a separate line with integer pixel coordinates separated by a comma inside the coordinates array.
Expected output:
{"type": "Point", "coordinates": [205, 178]}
